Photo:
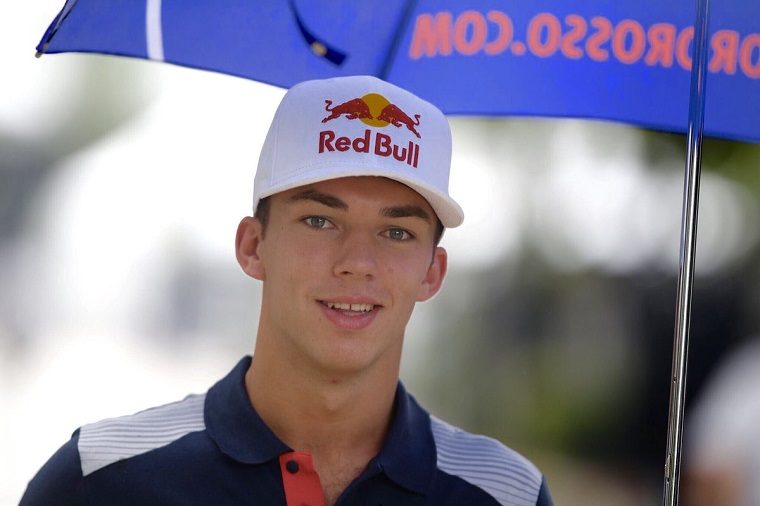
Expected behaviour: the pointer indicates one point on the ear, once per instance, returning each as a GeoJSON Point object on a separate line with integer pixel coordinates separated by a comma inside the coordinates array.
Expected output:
{"type": "Point", "coordinates": [433, 279]}
{"type": "Point", "coordinates": [247, 244]}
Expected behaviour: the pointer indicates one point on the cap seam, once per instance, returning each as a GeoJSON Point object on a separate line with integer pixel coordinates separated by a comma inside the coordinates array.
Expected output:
{"type": "Point", "coordinates": [275, 151]}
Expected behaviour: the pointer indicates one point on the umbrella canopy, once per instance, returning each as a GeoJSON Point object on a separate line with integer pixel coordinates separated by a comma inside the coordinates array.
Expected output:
{"type": "Point", "coordinates": [622, 61]}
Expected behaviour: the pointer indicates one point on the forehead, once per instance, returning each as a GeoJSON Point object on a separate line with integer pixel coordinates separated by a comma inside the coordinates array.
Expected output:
{"type": "Point", "coordinates": [364, 190]}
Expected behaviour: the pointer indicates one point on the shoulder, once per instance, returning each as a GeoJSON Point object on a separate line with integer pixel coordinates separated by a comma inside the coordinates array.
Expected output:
{"type": "Point", "coordinates": [59, 481]}
{"type": "Point", "coordinates": [114, 439]}
{"type": "Point", "coordinates": [486, 463]}
{"type": "Point", "coordinates": [98, 445]}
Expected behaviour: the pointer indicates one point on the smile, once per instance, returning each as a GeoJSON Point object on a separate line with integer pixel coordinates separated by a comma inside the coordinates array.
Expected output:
{"type": "Point", "coordinates": [352, 316]}
{"type": "Point", "coordinates": [345, 306]}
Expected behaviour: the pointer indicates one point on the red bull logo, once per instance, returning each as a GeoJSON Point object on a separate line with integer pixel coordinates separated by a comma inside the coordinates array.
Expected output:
{"type": "Point", "coordinates": [377, 111]}
{"type": "Point", "coordinates": [374, 110]}
{"type": "Point", "coordinates": [353, 109]}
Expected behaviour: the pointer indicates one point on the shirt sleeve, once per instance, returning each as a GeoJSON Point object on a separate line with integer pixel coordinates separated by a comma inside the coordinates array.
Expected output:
{"type": "Point", "coordinates": [544, 498]}
{"type": "Point", "coordinates": [59, 481]}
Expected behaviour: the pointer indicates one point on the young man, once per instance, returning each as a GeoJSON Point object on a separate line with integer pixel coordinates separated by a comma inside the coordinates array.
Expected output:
{"type": "Point", "coordinates": [350, 198]}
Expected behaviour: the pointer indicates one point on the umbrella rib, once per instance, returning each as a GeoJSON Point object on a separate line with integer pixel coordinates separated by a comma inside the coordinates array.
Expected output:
{"type": "Point", "coordinates": [53, 28]}
{"type": "Point", "coordinates": [396, 41]}
{"type": "Point", "coordinates": [317, 46]}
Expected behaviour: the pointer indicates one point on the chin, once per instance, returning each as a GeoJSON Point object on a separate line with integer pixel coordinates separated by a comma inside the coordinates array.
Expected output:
{"type": "Point", "coordinates": [349, 362]}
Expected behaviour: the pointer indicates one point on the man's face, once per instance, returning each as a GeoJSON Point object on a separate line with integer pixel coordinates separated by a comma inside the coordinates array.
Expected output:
{"type": "Point", "coordinates": [343, 263]}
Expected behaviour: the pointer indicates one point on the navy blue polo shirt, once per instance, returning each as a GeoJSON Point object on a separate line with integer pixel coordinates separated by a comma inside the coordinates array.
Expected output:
{"type": "Point", "coordinates": [215, 449]}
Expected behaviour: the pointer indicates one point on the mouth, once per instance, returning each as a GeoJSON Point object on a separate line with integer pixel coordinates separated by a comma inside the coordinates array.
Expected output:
{"type": "Point", "coordinates": [352, 316]}
{"type": "Point", "coordinates": [350, 309]}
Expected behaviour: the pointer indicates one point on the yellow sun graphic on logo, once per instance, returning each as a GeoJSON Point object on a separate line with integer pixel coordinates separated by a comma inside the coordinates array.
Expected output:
{"type": "Point", "coordinates": [376, 103]}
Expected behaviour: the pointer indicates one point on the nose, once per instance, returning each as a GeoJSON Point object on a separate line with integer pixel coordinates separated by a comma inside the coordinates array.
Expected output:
{"type": "Point", "coordinates": [357, 256]}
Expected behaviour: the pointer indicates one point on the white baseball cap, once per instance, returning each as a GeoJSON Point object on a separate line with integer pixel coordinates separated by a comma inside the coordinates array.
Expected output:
{"type": "Point", "coordinates": [358, 126]}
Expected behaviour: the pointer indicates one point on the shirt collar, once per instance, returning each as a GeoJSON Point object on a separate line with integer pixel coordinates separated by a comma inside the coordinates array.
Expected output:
{"type": "Point", "coordinates": [408, 455]}
{"type": "Point", "coordinates": [234, 425]}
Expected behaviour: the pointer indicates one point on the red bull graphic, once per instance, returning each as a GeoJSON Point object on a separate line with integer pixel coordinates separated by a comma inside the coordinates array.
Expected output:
{"type": "Point", "coordinates": [353, 109]}
{"type": "Point", "coordinates": [380, 144]}
{"type": "Point", "coordinates": [374, 110]}
{"type": "Point", "coordinates": [396, 117]}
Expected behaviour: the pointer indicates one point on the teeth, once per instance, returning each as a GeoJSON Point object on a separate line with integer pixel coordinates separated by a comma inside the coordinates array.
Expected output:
{"type": "Point", "coordinates": [344, 306]}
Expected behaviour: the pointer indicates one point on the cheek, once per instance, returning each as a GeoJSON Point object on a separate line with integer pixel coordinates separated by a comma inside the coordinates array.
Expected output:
{"type": "Point", "coordinates": [407, 270]}
{"type": "Point", "coordinates": [303, 264]}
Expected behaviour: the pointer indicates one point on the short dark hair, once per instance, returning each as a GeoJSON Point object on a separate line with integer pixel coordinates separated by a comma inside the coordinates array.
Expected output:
{"type": "Point", "coordinates": [262, 213]}
{"type": "Point", "coordinates": [264, 205]}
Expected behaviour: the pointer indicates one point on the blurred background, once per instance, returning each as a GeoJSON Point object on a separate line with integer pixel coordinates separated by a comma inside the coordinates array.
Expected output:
{"type": "Point", "coordinates": [121, 186]}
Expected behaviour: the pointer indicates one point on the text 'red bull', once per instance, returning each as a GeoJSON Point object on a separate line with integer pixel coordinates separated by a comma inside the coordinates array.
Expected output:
{"type": "Point", "coordinates": [381, 144]}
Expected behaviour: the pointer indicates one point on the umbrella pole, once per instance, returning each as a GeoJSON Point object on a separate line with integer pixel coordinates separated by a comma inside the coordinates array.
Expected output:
{"type": "Point", "coordinates": [687, 255]}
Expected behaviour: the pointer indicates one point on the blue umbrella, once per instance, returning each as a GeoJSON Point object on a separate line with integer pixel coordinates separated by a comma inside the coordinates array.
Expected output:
{"type": "Point", "coordinates": [623, 61]}
{"type": "Point", "coordinates": [642, 62]}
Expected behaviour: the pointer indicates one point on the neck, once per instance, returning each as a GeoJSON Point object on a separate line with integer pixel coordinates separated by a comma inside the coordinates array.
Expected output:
{"type": "Point", "coordinates": [329, 414]}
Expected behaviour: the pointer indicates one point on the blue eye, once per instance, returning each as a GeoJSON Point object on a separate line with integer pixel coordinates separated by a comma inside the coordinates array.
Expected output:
{"type": "Point", "coordinates": [316, 221]}
{"type": "Point", "coordinates": [399, 234]}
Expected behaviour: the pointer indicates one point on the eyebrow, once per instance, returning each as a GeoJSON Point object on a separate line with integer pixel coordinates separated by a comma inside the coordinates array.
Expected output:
{"type": "Point", "coordinates": [322, 198]}
{"type": "Point", "coordinates": [336, 203]}
{"type": "Point", "coordinates": [405, 212]}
